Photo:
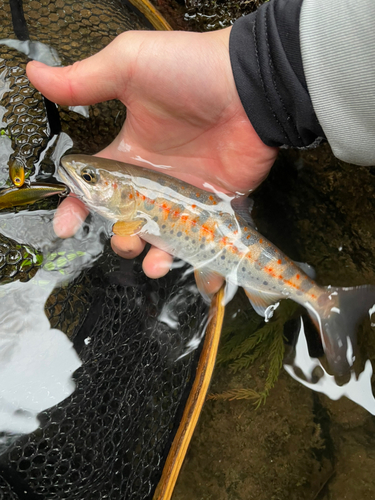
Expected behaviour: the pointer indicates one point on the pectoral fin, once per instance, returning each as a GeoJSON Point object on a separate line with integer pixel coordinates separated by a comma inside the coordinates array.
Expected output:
{"type": "Point", "coordinates": [261, 300]}
{"type": "Point", "coordinates": [127, 228]}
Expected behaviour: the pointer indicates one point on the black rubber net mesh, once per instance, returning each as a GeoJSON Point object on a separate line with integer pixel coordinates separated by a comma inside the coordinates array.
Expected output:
{"type": "Point", "coordinates": [110, 438]}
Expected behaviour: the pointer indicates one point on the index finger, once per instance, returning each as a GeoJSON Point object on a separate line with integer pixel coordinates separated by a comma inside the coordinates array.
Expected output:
{"type": "Point", "coordinates": [69, 216]}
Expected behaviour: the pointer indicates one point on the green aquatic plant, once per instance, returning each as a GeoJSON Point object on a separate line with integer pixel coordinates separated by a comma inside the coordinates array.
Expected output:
{"type": "Point", "coordinates": [21, 262]}
{"type": "Point", "coordinates": [54, 261]}
{"type": "Point", "coordinates": [30, 256]}
{"type": "Point", "coordinates": [17, 261]}
{"type": "Point", "coordinates": [57, 261]}
{"type": "Point", "coordinates": [4, 131]}
{"type": "Point", "coordinates": [247, 339]}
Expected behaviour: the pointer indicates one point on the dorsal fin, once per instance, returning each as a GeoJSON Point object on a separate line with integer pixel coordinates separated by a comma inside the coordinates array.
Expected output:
{"type": "Point", "coordinates": [243, 206]}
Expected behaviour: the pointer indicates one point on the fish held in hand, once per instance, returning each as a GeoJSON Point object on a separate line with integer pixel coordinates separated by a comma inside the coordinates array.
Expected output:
{"type": "Point", "coordinates": [205, 230]}
{"type": "Point", "coordinates": [28, 194]}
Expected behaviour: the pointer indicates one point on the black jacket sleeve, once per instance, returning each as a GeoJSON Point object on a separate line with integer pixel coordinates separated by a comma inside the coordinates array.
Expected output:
{"type": "Point", "coordinates": [267, 67]}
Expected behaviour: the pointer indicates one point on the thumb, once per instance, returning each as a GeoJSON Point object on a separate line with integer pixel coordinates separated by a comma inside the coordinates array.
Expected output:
{"type": "Point", "coordinates": [89, 81]}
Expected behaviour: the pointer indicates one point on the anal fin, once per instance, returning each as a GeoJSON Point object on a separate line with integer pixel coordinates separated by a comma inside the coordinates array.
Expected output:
{"type": "Point", "coordinates": [261, 300]}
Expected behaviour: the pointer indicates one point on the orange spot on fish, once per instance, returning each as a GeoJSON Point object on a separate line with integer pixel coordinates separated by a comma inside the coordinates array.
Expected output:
{"type": "Point", "coordinates": [207, 231]}
{"type": "Point", "coordinates": [166, 209]}
{"type": "Point", "coordinates": [184, 218]}
{"type": "Point", "coordinates": [248, 236]}
{"type": "Point", "coordinates": [194, 206]}
{"type": "Point", "coordinates": [261, 241]}
{"type": "Point", "coordinates": [279, 261]}
{"type": "Point", "coordinates": [297, 276]}
{"type": "Point", "coordinates": [114, 185]}
{"type": "Point", "coordinates": [130, 196]}
{"type": "Point", "coordinates": [143, 197]}
{"type": "Point", "coordinates": [197, 195]}
{"type": "Point", "coordinates": [245, 228]}
{"type": "Point", "coordinates": [211, 198]}
{"type": "Point", "coordinates": [176, 213]}
{"type": "Point", "coordinates": [291, 284]}
{"type": "Point", "coordinates": [270, 271]}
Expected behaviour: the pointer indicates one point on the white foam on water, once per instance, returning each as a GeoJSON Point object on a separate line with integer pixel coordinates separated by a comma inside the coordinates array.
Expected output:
{"type": "Point", "coordinates": [358, 389]}
{"type": "Point", "coordinates": [36, 361]}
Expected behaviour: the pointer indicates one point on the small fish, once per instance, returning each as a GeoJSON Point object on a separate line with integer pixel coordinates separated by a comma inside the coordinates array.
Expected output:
{"type": "Point", "coordinates": [17, 172]}
{"type": "Point", "coordinates": [205, 230]}
{"type": "Point", "coordinates": [28, 194]}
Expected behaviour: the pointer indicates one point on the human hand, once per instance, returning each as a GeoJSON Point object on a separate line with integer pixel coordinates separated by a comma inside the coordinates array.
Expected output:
{"type": "Point", "coordinates": [183, 111]}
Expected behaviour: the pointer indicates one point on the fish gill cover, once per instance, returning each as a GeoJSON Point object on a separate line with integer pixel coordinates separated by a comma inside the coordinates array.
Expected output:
{"type": "Point", "coordinates": [93, 376]}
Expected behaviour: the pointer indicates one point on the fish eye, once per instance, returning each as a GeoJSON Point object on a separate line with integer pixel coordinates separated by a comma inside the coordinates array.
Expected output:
{"type": "Point", "coordinates": [89, 175]}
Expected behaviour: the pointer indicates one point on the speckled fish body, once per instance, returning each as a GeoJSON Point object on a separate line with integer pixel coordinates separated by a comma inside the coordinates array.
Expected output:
{"type": "Point", "coordinates": [203, 229]}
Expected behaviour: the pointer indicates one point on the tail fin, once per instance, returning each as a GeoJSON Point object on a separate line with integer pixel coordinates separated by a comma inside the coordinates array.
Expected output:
{"type": "Point", "coordinates": [337, 321]}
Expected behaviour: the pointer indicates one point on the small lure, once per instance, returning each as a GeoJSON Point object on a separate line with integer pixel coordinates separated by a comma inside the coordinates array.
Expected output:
{"type": "Point", "coordinates": [17, 172]}
{"type": "Point", "coordinates": [28, 194]}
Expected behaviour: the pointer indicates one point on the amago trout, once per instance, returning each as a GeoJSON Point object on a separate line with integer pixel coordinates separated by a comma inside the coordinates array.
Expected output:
{"type": "Point", "coordinates": [203, 229]}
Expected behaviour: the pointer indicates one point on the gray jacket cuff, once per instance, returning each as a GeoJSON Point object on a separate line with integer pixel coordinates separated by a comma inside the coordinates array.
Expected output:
{"type": "Point", "coordinates": [338, 56]}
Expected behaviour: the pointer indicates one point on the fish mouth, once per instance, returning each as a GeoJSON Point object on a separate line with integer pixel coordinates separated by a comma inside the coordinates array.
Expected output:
{"type": "Point", "coordinates": [69, 180]}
